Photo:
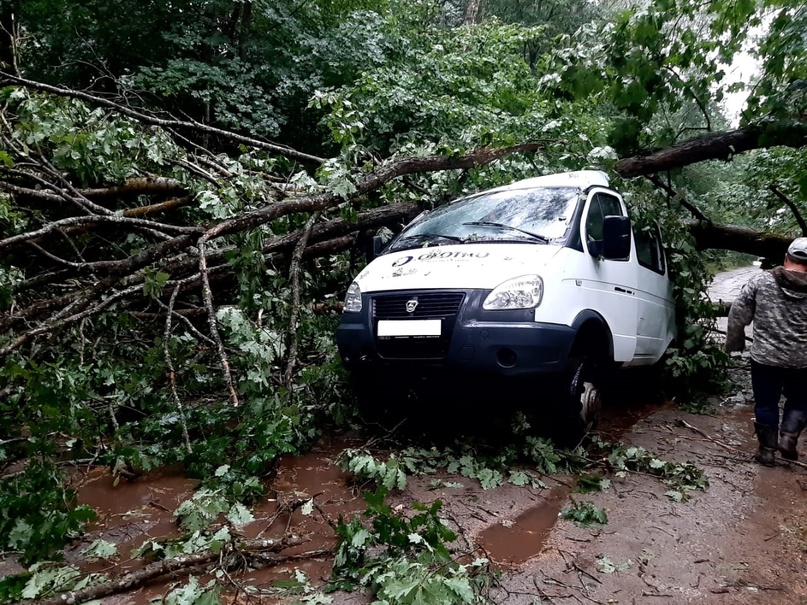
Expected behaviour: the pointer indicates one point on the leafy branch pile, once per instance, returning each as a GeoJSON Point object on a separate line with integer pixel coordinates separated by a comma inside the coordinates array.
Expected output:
{"type": "Point", "coordinates": [405, 560]}
{"type": "Point", "coordinates": [524, 464]}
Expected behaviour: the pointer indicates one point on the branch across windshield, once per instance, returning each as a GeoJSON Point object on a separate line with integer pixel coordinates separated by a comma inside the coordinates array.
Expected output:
{"type": "Point", "coordinates": [535, 215]}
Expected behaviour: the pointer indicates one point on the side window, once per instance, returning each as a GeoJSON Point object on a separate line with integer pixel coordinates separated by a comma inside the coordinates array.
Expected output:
{"type": "Point", "coordinates": [602, 205]}
{"type": "Point", "coordinates": [649, 252]}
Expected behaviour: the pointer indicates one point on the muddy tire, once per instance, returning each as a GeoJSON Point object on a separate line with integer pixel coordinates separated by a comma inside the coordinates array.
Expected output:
{"type": "Point", "coordinates": [580, 400]}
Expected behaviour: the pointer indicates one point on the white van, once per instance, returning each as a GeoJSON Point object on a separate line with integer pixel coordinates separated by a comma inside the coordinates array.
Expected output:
{"type": "Point", "coordinates": [541, 277]}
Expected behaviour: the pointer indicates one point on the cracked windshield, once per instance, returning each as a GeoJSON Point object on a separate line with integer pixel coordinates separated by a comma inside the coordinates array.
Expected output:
{"type": "Point", "coordinates": [538, 215]}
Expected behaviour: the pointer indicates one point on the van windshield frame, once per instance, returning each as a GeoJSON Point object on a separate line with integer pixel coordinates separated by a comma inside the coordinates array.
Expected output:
{"type": "Point", "coordinates": [537, 215]}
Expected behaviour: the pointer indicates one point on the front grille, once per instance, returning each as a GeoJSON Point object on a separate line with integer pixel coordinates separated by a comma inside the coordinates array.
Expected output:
{"type": "Point", "coordinates": [432, 305]}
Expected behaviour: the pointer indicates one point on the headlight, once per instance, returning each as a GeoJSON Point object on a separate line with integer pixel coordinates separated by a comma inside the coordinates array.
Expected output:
{"type": "Point", "coordinates": [352, 299]}
{"type": "Point", "coordinates": [523, 292]}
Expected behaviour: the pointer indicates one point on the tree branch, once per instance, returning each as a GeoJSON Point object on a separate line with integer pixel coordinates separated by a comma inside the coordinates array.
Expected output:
{"type": "Point", "coordinates": [679, 198]}
{"type": "Point", "coordinates": [715, 146]}
{"type": "Point", "coordinates": [181, 565]}
{"type": "Point", "coordinates": [150, 119]}
{"type": "Point", "coordinates": [294, 277]}
{"type": "Point", "coordinates": [207, 296]}
{"type": "Point", "coordinates": [792, 206]}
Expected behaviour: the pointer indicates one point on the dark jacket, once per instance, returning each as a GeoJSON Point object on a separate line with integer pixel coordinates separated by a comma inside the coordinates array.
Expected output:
{"type": "Point", "coordinates": [776, 301]}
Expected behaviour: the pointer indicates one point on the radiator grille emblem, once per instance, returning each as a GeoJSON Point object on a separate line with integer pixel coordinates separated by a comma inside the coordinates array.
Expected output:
{"type": "Point", "coordinates": [411, 305]}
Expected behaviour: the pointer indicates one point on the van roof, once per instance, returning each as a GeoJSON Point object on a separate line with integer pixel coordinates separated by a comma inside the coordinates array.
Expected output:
{"type": "Point", "coordinates": [581, 179]}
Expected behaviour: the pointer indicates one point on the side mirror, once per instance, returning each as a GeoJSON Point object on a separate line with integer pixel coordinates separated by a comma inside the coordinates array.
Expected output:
{"type": "Point", "coordinates": [616, 237]}
{"type": "Point", "coordinates": [375, 248]}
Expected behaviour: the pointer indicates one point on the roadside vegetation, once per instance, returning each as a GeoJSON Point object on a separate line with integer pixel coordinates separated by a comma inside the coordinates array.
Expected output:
{"type": "Point", "coordinates": [185, 194]}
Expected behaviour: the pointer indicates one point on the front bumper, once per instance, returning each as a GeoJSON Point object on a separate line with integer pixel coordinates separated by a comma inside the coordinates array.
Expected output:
{"type": "Point", "coordinates": [505, 343]}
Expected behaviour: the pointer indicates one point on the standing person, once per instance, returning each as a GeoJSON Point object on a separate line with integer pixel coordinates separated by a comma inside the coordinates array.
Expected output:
{"type": "Point", "coordinates": [776, 301]}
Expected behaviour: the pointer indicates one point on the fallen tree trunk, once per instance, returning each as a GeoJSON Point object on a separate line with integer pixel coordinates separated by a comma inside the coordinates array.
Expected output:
{"type": "Point", "coordinates": [711, 236]}
{"type": "Point", "coordinates": [714, 146]}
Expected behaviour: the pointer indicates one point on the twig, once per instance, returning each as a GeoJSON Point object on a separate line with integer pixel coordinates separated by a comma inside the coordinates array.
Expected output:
{"type": "Point", "coordinates": [680, 198]}
{"type": "Point", "coordinates": [172, 376]}
{"type": "Point", "coordinates": [207, 295]}
{"type": "Point", "coordinates": [294, 277]}
{"type": "Point", "coordinates": [685, 424]}
{"type": "Point", "coordinates": [789, 203]}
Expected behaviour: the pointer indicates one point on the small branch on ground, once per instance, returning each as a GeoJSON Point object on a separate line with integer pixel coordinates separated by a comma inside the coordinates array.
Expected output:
{"type": "Point", "coordinates": [179, 566]}
{"type": "Point", "coordinates": [695, 429]}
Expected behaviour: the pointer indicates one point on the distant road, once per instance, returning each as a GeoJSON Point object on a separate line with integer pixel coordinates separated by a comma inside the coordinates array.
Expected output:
{"type": "Point", "coordinates": [726, 286]}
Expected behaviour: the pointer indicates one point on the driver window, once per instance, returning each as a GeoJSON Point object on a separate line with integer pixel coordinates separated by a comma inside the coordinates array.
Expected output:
{"type": "Point", "coordinates": [601, 206]}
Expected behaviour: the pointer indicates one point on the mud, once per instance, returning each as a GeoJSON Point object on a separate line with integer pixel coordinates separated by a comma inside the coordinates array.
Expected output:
{"type": "Point", "coordinates": [518, 540]}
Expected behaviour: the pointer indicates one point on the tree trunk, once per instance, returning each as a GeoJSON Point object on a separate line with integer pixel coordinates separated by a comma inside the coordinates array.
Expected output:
{"type": "Point", "coordinates": [714, 146]}
{"type": "Point", "coordinates": [472, 12]}
{"type": "Point", "coordinates": [739, 239]}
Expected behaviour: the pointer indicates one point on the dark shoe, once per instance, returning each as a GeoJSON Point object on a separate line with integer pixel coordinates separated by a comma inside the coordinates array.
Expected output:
{"type": "Point", "coordinates": [767, 436]}
{"type": "Point", "coordinates": [787, 445]}
{"type": "Point", "coordinates": [765, 456]}
{"type": "Point", "coordinates": [793, 422]}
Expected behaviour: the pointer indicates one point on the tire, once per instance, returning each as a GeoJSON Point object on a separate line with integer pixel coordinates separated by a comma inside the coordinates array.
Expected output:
{"type": "Point", "coordinates": [581, 399]}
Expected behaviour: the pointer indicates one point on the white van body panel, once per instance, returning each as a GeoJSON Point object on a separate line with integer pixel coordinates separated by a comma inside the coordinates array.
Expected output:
{"type": "Point", "coordinates": [482, 266]}
{"type": "Point", "coordinates": [578, 281]}
{"type": "Point", "coordinates": [656, 316]}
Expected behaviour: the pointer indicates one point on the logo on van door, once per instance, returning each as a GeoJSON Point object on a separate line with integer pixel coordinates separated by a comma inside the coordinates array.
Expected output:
{"type": "Point", "coordinates": [411, 305]}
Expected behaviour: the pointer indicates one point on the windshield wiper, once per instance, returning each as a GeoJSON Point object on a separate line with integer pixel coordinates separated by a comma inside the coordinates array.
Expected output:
{"type": "Point", "coordinates": [540, 238]}
{"type": "Point", "coordinates": [424, 238]}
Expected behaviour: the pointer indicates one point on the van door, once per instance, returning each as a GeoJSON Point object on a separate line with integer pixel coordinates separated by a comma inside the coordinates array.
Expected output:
{"type": "Point", "coordinates": [654, 294]}
{"type": "Point", "coordinates": [610, 285]}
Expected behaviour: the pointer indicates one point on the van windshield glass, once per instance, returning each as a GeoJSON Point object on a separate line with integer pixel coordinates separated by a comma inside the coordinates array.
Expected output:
{"type": "Point", "coordinates": [524, 215]}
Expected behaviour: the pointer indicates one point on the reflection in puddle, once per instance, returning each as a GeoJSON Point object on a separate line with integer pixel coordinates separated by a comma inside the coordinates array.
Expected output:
{"type": "Point", "coordinates": [522, 538]}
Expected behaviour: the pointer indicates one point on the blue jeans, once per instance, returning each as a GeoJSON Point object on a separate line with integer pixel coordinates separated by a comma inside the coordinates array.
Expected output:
{"type": "Point", "coordinates": [769, 383]}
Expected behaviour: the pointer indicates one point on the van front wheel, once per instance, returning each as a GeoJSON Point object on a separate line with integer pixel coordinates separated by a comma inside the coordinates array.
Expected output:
{"type": "Point", "coordinates": [581, 399]}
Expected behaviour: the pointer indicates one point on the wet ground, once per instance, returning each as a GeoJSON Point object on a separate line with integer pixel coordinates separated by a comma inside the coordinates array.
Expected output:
{"type": "Point", "coordinates": [743, 540]}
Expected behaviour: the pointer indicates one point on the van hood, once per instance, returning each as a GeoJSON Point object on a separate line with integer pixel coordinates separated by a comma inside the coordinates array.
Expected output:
{"type": "Point", "coordinates": [465, 266]}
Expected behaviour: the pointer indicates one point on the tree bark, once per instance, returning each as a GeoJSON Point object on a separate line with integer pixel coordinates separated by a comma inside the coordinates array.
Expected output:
{"type": "Point", "coordinates": [739, 239]}
{"type": "Point", "coordinates": [714, 146]}
{"type": "Point", "coordinates": [181, 565]}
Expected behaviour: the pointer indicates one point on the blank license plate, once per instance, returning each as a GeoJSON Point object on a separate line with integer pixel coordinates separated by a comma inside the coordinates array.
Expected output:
{"type": "Point", "coordinates": [423, 328]}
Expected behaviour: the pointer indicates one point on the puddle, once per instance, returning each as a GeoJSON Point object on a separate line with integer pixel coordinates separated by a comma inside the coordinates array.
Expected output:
{"type": "Point", "coordinates": [133, 512]}
{"type": "Point", "coordinates": [522, 538]}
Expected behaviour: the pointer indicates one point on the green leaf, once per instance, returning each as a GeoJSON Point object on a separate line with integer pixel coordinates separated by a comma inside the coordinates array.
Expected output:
{"type": "Point", "coordinates": [239, 515]}
{"type": "Point", "coordinates": [100, 549]}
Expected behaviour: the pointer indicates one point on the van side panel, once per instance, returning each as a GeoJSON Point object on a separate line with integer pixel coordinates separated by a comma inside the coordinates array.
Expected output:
{"type": "Point", "coordinates": [576, 281]}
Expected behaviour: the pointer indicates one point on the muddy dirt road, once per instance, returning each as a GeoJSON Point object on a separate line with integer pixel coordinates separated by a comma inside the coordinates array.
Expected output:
{"type": "Point", "coordinates": [743, 540]}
